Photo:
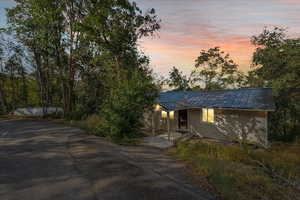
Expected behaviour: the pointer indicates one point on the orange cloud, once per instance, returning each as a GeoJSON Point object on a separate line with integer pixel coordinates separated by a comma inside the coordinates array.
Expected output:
{"type": "Point", "coordinates": [181, 51]}
{"type": "Point", "coordinates": [190, 26]}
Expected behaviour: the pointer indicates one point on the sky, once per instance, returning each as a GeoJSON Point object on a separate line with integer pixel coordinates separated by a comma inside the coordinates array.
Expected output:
{"type": "Point", "coordinates": [189, 26]}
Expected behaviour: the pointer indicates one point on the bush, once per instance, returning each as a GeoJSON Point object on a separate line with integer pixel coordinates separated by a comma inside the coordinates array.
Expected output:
{"type": "Point", "coordinates": [75, 115]}
{"type": "Point", "coordinates": [123, 113]}
{"type": "Point", "coordinates": [55, 115]}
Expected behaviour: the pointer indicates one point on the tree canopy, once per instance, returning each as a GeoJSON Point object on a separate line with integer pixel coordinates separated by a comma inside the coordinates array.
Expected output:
{"type": "Point", "coordinates": [277, 65]}
{"type": "Point", "coordinates": [213, 70]}
{"type": "Point", "coordinates": [85, 58]}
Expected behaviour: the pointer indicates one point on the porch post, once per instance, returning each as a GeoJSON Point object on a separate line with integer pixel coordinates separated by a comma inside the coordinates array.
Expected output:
{"type": "Point", "coordinates": [267, 130]}
{"type": "Point", "coordinates": [168, 122]}
{"type": "Point", "coordinates": [188, 120]}
{"type": "Point", "coordinates": [153, 125]}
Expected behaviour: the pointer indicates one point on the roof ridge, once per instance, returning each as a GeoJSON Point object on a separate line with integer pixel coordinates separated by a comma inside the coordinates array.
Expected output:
{"type": "Point", "coordinates": [183, 91]}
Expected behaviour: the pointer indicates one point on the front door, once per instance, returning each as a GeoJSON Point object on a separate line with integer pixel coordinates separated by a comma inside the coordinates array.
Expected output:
{"type": "Point", "coordinates": [182, 119]}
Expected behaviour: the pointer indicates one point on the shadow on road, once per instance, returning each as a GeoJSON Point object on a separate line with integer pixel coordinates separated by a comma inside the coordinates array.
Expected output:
{"type": "Point", "coordinates": [44, 160]}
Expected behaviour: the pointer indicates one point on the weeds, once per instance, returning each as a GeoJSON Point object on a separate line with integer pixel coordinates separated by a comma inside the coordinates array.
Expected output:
{"type": "Point", "coordinates": [93, 125]}
{"type": "Point", "coordinates": [245, 173]}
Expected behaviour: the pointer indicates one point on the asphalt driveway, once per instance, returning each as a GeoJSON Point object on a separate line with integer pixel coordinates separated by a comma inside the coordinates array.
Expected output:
{"type": "Point", "coordinates": [41, 160]}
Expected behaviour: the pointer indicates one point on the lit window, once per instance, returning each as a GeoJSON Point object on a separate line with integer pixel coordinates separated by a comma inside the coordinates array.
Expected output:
{"type": "Point", "coordinates": [208, 115]}
{"type": "Point", "coordinates": [171, 114]}
{"type": "Point", "coordinates": [164, 114]}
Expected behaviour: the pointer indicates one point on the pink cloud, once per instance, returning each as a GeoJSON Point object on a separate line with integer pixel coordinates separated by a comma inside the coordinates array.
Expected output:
{"type": "Point", "coordinates": [182, 50]}
{"type": "Point", "coordinates": [190, 26]}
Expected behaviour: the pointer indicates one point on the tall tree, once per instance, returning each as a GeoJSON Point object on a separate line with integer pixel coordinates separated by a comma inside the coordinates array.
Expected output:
{"type": "Point", "coordinates": [215, 70]}
{"type": "Point", "coordinates": [85, 52]}
{"type": "Point", "coordinates": [177, 80]}
{"type": "Point", "coordinates": [277, 58]}
{"type": "Point", "coordinates": [13, 75]}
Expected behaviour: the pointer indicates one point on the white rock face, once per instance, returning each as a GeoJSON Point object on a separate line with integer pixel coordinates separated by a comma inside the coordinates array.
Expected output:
{"type": "Point", "coordinates": [37, 111]}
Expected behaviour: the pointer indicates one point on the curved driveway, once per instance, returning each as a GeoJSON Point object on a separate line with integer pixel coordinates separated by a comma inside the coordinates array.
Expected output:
{"type": "Point", "coordinates": [41, 160]}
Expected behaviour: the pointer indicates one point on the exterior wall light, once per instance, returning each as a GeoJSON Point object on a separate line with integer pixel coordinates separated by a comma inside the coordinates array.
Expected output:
{"type": "Point", "coordinates": [157, 107]}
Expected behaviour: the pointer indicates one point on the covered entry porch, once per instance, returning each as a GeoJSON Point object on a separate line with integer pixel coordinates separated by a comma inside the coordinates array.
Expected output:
{"type": "Point", "coordinates": [168, 123]}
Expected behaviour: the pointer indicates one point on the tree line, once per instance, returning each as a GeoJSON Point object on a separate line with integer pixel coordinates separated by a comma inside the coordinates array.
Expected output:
{"type": "Point", "coordinates": [82, 55]}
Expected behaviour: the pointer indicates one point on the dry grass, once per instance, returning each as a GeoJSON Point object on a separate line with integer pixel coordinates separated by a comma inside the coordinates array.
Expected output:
{"type": "Point", "coordinates": [244, 173]}
{"type": "Point", "coordinates": [90, 124]}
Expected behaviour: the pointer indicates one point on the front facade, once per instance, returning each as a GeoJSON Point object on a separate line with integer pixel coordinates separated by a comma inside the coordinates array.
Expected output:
{"type": "Point", "coordinates": [224, 115]}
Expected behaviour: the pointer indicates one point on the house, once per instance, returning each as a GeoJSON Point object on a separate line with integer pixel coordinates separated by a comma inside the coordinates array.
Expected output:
{"type": "Point", "coordinates": [240, 114]}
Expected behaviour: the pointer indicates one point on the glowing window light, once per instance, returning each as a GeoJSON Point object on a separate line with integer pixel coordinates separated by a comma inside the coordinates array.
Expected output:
{"type": "Point", "coordinates": [204, 114]}
{"type": "Point", "coordinates": [164, 114]}
{"type": "Point", "coordinates": [208, 115]}
{"type": "Point", "coordinates": [157, 107]}
{"type": "Point", "coordinates": [171, 114]}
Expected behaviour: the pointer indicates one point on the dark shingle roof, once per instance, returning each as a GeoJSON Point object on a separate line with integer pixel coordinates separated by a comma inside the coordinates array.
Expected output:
{"type": "Point", "coordinates": [250, 99]}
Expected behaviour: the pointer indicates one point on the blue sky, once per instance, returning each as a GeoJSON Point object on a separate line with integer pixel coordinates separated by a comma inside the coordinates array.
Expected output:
{"type": "Point", "coordinates": [192, 25]}
{"type": "Point", "coordinates": [4, 4]}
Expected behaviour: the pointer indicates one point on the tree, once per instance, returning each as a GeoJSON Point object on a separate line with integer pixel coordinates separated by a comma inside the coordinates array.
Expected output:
{"type": "Point", "coordinates": [123, 114]}
{"type": "Point", "coordinates": [177, 80]}
{"type": "Point", "coordinates": [114, 27]}
{"type": "Point", "coordinates": [277, 61]}
{"type": "Point", "coordinates": [38, 25]}
{"type": "Point", "coordinates": [13, 75]}
{"type": "Point", "coordinates": [215, 70]}
{"type": "Point", "coordinates": [85, 54]}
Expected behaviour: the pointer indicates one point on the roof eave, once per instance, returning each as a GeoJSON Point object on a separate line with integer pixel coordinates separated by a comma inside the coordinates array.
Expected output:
{"type": "Point", "coordinates": [222, 108]}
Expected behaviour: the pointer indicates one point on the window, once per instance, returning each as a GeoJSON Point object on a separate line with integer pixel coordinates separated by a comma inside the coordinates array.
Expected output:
{"type": "Point", "coordinates": [164, 114]}
{"type": "Point", "coordinates": [171, 114]}
{"type": "Point", "coordinates": [208, 115]}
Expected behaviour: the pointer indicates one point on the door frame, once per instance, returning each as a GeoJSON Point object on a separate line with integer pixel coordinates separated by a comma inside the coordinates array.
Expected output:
{"type": "Point", "coordinates": [187, 120]}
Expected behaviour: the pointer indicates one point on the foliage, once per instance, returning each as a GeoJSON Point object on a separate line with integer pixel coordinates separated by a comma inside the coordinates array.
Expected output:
{"type": "Point", "coordinates": [277, 59]}
{"type": "Point", "coordinates": [123, 114]}
{"type": "Point", "coordinates": [15, 81]}
{"type": "Point", "coordinates": [91, 124]}
{"type": "Point", "coordinates": [177, 80]}
{"type": "Point", "coordinates": [216, 70]}
{"type": "Point", "coordinates": [85, 59]}
{"type": "Point", "coordinates": [236, 172]}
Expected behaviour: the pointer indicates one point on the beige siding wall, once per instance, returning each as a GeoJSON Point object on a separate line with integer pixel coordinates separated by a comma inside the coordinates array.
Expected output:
{"type": "Point", "coordinates": [228, 125]}
{"type": "Point", "coordinates": [232, 124]}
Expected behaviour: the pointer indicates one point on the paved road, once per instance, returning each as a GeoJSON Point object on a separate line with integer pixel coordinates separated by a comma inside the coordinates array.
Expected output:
{"type": "Point", "coordinates": [41, 160]}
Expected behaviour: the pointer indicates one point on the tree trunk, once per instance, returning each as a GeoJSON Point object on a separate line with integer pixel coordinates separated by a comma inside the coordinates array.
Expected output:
{"type": "Point", "coordinates": [2, 99]}
{"type": "Point", "coordinates": [70, 94]}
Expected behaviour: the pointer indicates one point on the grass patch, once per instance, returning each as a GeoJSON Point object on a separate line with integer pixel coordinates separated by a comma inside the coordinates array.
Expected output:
{"type": "Point", "coordinates": [244, 173]}
{"type": "Point", "coordinates": [91, 124]}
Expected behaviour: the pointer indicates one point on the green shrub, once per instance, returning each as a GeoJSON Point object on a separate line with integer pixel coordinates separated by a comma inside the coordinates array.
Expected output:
{"type": "Point", "coordinates": [75, 115]}
{"type": "Point", "coordinates": [123, 113]}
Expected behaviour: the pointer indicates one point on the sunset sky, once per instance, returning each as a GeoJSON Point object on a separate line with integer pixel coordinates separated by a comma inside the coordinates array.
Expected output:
{"type": "Point", "coordinates": [188, 26]}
